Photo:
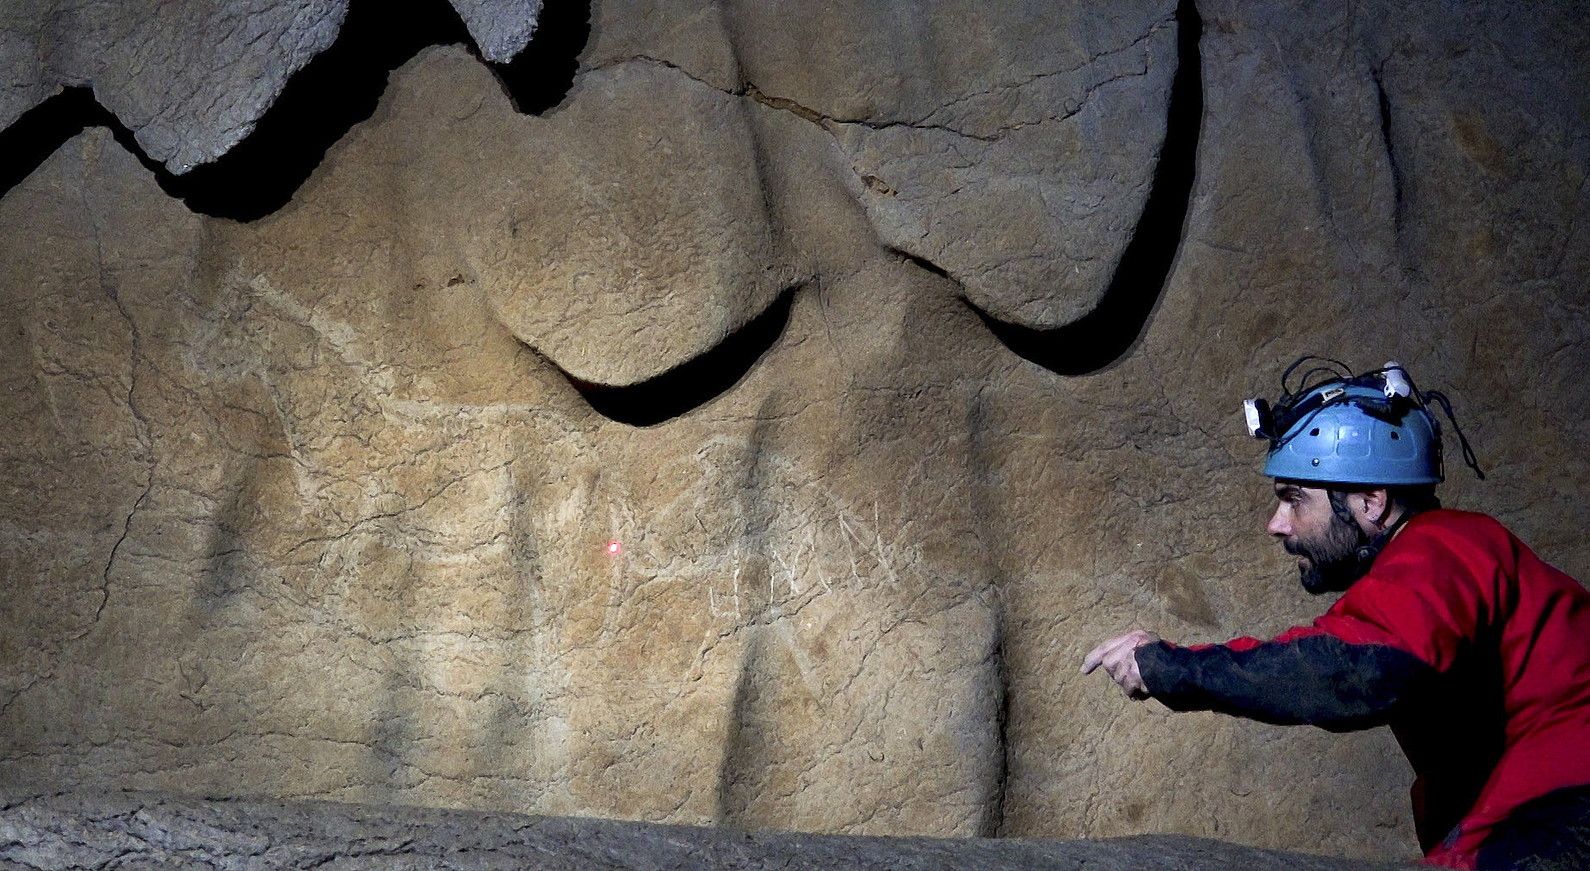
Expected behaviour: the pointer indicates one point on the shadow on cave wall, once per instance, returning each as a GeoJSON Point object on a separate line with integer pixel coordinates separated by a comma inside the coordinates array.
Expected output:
{"type": "Point", "coordinates": [1087, 345]}
{"type": "Point", "coordinates": [1102, 336]}
{"type": "Point", "coordinates": [696, 381]}
{"type": "Point", "coordinates": [343, 85]}
{"type": "Point", "coordinates": [336, 90]}
{"type": "Point", "coordinates": [40, 131]}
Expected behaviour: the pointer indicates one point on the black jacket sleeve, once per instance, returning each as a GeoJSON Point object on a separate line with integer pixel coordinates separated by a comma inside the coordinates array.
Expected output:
{"type": "Point", "coordinates": [1317, 680]}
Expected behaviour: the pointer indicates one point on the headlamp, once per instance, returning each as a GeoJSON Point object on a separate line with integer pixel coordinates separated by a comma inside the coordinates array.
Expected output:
{"type": "Point", "coordinates": [1260, 421]}
{"type": "Point", "coordinates": [1387, 394]}
{"type": "Point", "coordinates": [1265, 422]}
{"type": "Point", "coordinates": [1396, 380]}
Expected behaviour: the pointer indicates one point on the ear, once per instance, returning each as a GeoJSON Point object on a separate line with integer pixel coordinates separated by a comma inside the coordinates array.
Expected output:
{"type": "Point", "coordinates": [1371, 507]}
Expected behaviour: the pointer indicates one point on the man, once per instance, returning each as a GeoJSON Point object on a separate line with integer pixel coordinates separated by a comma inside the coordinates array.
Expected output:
{"type": "Point", "coordinates": [1449, 629]}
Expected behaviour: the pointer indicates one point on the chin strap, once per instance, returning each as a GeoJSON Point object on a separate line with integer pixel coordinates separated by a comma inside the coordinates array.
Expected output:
{"type": "Point", "coordinates": [1370, 549]}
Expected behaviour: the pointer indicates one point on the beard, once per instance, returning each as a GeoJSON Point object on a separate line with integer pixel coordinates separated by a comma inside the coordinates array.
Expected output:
{"type": "Point", "coordinates": [1332, 559]}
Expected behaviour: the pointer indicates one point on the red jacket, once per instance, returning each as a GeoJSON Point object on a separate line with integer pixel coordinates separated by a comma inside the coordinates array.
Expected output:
{"type": "Point", "coordinates": [1472, 649]}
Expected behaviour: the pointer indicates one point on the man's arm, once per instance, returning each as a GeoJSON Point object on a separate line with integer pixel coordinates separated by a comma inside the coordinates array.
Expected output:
{"type": "Point", "coordinates": [1307, 677]}
{"type": "Point", "coordinates": [1397, 628]}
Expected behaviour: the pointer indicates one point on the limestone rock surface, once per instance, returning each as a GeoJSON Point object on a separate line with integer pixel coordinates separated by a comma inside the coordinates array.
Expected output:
{"type": "Point", "coordinates": [1012, 146]}
{"type": "Point", "coordinates": [190, 79]}
{"type": "Point", "coordinates": [641, 459]}
{"type": "Point", "coordinates": [501, 28]}
{"type": "Point", "coordinates": [648, 238]}
{"type": "Point", "coordinates": [88, 829]}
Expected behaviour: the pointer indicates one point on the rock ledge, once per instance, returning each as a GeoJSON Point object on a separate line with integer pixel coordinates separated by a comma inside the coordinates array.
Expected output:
{"type": "Point", "coordinates": [54, 829]}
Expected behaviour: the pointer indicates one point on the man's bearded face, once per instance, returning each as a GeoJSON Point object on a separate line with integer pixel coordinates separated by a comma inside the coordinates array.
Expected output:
{"type": "Point", "coordinates": [1329, 562]}
{"type": "Point", "coordinates": [1326, 544]}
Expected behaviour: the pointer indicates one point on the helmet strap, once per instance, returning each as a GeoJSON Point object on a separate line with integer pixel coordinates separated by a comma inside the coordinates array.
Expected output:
{"type": "Point", "coordinates": [1369, 547]}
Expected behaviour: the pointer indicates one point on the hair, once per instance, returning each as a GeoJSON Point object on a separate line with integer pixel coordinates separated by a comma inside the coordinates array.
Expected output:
{"type": "Point", "coordinates": [1417, 497]}
{"type": "Point", "coordinates": [1413, 498]}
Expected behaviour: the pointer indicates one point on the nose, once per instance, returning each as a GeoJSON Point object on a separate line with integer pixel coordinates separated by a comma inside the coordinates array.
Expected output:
{"type": "Point", "coordinates": [1280, 524]}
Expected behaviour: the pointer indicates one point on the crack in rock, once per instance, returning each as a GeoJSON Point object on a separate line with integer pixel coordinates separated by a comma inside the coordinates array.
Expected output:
{"type": "Point", "coordinates": [145, 435]}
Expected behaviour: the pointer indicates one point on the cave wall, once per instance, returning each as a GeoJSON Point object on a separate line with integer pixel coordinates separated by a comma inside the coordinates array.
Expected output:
{"type": "Point", "coordinates": [735, 413]}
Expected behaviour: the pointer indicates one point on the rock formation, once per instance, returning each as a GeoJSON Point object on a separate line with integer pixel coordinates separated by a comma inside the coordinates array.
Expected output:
{"type": "Point", "coordinates": [758, 432]}
{"type": "Point", "coordinates": [192, 78]}
{"type": "Point", "coordinates": [90, 829]}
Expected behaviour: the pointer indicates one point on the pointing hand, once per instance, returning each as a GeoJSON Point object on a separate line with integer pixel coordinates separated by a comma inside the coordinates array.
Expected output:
{"type": "Point", "coordinates": [1119, 658]}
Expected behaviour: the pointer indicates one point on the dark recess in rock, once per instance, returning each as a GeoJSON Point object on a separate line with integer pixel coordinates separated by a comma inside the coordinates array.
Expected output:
{"type": "Point", "coordinates": [1103, 335]}
{"type": "Point", "coordinates": [332, 93]}
{"type": "Point", "coordinates": [923, 262]}
{"type": "Point", "coordinates": [541, 76]}
{"type": "Point", "coordinates": [1384, 102]}
{"type": "Point", "coordinates": [320, 104]}
{"type": "Point", "coordinates": [994, 824]}
{"type": "Point", "coordinates": [741, 762]}
{"type": "Point", "coordinates": [696, 381]}
{"type": "Point", "coordinates": [32, 138]}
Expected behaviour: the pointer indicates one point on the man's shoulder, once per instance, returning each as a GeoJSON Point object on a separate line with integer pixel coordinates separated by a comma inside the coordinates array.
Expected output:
{"type": "Point", "coordinates": [1446, 524]}
{"type": "Point", "coordinates": [1437, 569]}
{"type": "Point", "coordinates": [1444, 543]}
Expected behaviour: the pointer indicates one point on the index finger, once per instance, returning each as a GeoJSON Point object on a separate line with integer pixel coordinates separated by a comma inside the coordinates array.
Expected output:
{"type": "Point", "coordinates": [1096, 657]}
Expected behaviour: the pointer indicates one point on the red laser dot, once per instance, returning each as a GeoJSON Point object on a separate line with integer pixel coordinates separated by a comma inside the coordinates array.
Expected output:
{"type": "Point", "coordinates": [614, 548]}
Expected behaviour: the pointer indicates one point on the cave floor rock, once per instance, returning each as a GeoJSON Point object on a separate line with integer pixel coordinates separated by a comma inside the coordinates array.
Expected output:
{"type": "Point", "coordinates": [78, 829]}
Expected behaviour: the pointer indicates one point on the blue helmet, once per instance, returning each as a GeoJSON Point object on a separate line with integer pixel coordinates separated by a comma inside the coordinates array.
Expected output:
{"type": "Point", "coordinates": [1352, 437]}
{"type": "Point", "coordinates": [1374, 429]}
